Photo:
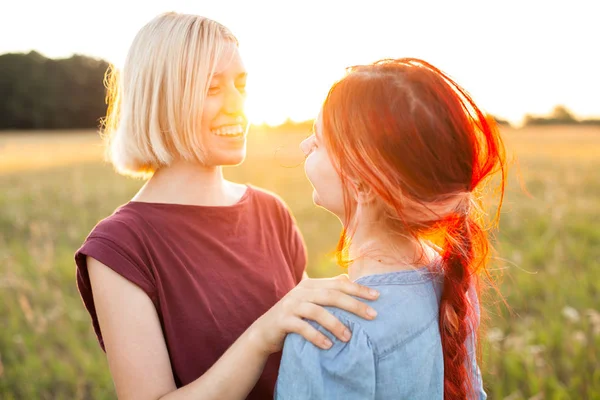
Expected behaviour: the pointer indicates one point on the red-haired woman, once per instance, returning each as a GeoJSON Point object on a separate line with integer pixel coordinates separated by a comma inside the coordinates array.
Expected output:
{"type": "Point", "coordinates": [400, 154]}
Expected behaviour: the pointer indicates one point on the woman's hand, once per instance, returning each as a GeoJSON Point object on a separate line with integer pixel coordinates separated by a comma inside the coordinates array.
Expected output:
{"type": "Point", "coordinates": [306, 301]}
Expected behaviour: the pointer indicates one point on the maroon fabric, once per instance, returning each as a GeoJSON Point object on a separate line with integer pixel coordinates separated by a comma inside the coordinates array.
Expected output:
{"type": "Point", "coordinates": [210, 272]}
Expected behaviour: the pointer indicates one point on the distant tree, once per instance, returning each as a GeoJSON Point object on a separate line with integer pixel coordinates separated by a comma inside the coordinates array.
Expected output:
{"type": "Point", "coordinates": [593, 122]}
{"type": "Point", "coordinates": [41, 93]}
{"type": "Point", "coordinates": [562, 114]}
{"type": "Point", "coordinates": [529, 120]}
{"type": "Point", "coordinates": [500, 121]}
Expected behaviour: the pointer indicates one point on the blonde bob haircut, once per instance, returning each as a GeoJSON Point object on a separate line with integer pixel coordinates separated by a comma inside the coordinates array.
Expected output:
{"type": "Point", "coordinates": [155, 104]}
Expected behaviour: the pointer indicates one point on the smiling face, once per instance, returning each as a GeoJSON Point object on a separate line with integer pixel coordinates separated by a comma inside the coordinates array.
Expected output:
{"type": "Point", "coordinates": [224, 125]}
{"type": "Point", "coordinates": [320, 171]}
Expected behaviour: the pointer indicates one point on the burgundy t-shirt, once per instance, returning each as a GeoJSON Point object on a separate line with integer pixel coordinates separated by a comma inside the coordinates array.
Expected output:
{"type": "Point", "coordinates": [210, 272]}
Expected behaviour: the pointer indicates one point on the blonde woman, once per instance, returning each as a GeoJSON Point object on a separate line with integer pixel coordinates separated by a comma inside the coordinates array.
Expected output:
{"type": "Point", "coordinates": [193, 285]}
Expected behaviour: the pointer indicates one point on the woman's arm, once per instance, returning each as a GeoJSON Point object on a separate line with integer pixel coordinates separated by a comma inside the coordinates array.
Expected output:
{"type": "Point", "coordinates": [135, 346]}
{"type": "Point", "coordinates": [137, 354]}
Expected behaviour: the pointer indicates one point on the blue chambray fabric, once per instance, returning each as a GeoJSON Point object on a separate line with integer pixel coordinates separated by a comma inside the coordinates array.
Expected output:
{"type": "Point", "coordinates": [396, 356]}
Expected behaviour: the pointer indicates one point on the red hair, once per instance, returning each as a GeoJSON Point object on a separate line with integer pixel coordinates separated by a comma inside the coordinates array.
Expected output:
{"type": "Point", "coordinates": [407, 131]}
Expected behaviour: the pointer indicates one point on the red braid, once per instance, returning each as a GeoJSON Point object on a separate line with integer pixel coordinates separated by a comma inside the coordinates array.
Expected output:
{"type": "Point", "coordinates": [412, 135]}
{"type": "Point", "coordinates": [456, 312]}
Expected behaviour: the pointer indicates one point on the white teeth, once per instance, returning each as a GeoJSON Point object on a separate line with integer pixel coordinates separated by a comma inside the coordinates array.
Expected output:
{"type": "Point", "coordinates": [229, 130]}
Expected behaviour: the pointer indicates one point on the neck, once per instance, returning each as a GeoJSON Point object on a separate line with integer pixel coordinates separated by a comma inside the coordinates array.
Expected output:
{"type": "Point", "coordinates": [187, 183]}
{"type": "Point", "coordinates": [375, 251]}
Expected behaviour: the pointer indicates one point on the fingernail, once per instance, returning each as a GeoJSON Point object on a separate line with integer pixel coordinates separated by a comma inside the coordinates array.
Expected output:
{"type": "Point", "coordinates": [347, 334]}
{"type": "Point", "coordinates": [371, 312]}
{"type": "Point", "coordinates": [327, 343]}
{"type": "Point", "coordinates": [373, 292]}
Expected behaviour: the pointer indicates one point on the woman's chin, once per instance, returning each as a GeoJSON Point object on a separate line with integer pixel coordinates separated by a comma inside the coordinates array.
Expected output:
{"type": "Point", "coordinates": [319, 203]}
{"type": "Point", "coordinates": [317, 199]}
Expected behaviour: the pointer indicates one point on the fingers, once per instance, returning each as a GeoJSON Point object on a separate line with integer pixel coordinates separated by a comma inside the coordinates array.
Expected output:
{"type": "Point", "coordinates": [354, 289]}
{"type": "Point", "coordinates": [335, 298]}
{"type": "Point", "coordinates": [343, 284]}
{"type": "Point", "coordinates": [309, 333]}
{"type": "Point", "coordinates": [342, 277]}
{"type": "Point", "coordinates": [325, 319]}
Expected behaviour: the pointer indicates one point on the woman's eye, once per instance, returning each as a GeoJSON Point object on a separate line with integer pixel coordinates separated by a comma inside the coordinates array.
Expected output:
{"type": "Point", "coordinates": [213, 90]}
{"type": "Point", "coordinates": [313, 147]}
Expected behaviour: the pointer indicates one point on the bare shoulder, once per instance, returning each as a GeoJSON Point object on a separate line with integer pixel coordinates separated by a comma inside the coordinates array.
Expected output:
{"type": "Point", "coordinates": [106, 280]}
{"type": "Point", "coordinates": [135, 346]}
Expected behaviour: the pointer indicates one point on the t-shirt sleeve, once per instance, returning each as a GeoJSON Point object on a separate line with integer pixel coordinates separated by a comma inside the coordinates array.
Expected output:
{"type": "Point", "coordinates": [298, 250]}
{"type": "Point", "coordinates": [308, 372]}
{"type": "Point", "coordinates": [116, 244]}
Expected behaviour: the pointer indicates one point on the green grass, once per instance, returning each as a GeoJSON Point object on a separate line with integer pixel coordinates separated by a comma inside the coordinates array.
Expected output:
{"type": "Point", "coordinates": [546, 347]}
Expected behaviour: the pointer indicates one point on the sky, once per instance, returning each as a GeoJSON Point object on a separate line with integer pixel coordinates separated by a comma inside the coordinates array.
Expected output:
{"type": "Point", "coordinates": [513, 56]}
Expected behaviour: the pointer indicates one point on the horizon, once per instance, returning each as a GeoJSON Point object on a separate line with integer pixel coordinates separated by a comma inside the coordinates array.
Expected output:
{"type": "Point", "coordinates": [288, 119]}
{"type": "Point", "coordinates": [512, 62]}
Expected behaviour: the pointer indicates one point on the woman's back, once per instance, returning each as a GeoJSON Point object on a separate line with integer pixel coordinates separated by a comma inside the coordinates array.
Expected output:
{"type": "Point", "coordinates": [396, 356]}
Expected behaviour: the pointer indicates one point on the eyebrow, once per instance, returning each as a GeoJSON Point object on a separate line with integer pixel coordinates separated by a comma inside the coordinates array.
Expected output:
{"type": "Point", "coordinates": [241, 75]}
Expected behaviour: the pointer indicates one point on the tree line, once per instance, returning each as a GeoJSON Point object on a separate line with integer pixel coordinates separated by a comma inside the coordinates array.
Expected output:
{"type": "Point", "coordinates": [560, 115]}
{"type": "Point", "coordinates": [43, 93]}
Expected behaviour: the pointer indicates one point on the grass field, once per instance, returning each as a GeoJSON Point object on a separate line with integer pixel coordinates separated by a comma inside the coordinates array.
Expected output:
{"type": "Point", "coordinates": [53, 189]}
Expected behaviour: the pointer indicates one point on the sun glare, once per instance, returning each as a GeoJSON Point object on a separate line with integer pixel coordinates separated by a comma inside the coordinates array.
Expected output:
{"type": "Point", "coordinates": [262, 108]}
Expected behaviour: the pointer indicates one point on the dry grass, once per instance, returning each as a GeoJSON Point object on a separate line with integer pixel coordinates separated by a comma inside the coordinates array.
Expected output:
{"type": "Point", "coordinates": [41, 150]}
{"type": "Point", "coordinates": [53, 189]}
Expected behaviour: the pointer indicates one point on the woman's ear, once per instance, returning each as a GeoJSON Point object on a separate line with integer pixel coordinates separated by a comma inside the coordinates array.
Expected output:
{"type": "Point", "coordinates": [363, 194]}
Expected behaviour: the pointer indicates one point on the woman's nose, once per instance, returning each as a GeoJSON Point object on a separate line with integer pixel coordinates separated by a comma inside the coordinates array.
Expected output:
{"type": "Point", "coordinates": [234, 101]}
{"type": "Point", "coordinates": [305, 145]}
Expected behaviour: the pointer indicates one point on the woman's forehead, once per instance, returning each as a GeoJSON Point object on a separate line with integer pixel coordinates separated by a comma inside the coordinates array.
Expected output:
{"type": "Point", "coordinates": [230, 64]}
{"type": "Point", "coordinates": [318, 125]}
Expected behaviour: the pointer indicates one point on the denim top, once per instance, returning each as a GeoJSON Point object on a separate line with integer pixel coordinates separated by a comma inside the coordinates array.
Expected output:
{"type": "Point", "coordinates": [398, 355]}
